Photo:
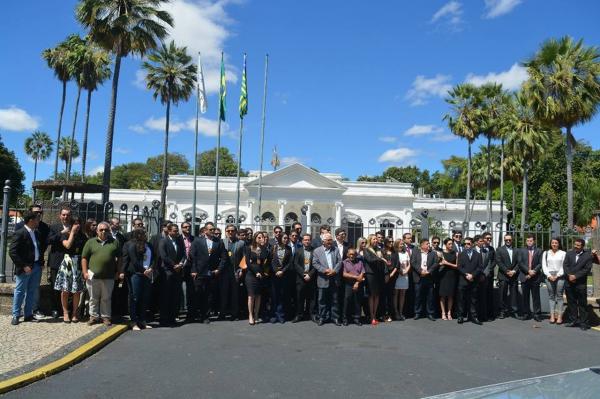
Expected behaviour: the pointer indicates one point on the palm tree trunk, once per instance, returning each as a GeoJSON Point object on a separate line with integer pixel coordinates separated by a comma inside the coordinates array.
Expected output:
{"type": "Point", "coordinates": [501, 189]}
{"type": "Point", "coordinates": [34, 177]}
{"type": "Point", "coordinates": [524, 203]}
{"type": "Point", "coordinates": [514, 201]}
{"type": "Point", "coordinates": [70, 155]}
{"type": "Point", "coordinates": [165, 177]}
{"type": "Point", "coordinates": [60, 116]}
{"type": "Point", "coordinates": [110, 130]}
{"type": "Point", "coordinates": [488, 195]}
{"type": "Point", "coordinates": [468, 197]}
{"type": "Point", "coordinates": [85, 135]}
{"type": "Point", "coordinates": [569, 153]}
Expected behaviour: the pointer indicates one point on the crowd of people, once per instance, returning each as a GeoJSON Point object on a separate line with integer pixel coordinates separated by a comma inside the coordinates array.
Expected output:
{"type": "Point", "coordinates": [97, 270]}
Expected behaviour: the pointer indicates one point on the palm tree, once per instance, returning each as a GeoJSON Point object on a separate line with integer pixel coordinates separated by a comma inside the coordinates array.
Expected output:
{"type": "Point", "coordinates": [464, 122]}
{"type": "Point", "coordinates": [171, 74]}
{"type": "Point", "coordinates": [58, 60]}
{"type": "Point", "coordinates": [67, 148]}
{"type": "Point", "coordinates": [494, 104]}
{"type": "Point", "coordinates": [122, 27]}
{"type": "Point", "coordinates": [94, 71]}
{"type": "Point", "coordinates": [564, 88]}
{"type": "Point", "coordinates": [39, 147]}
{"type": "Point", "coordinates": [527, 142]}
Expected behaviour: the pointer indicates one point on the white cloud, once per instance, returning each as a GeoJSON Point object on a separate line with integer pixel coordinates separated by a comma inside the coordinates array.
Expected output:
{"type": "Point", "coordinates": [444, 138]}
{"type": "Point", "coordinates": [388, 139]}
{"type": "Point", "coordinates": [206, 127]}
{"type": "Point", "coordinates": [95, 171]}
{"type": "Point", "coordinates": [17, 120]}
{"type": "Point", "coordinates": [159, 124]}
{"type": "Point", "coordinates": [140, 79]}
{"type": "Point", "coordinates": [138, 129]}
{"type": "Point", "coordinates": [424, 88]}
{"type": "Point", "coordinates": [510, 80]}
{"type": "Point", "coordinates": [398, 155]}
{"type": "Point", "coordinates": [121, 150]}
{"type": "Point", "coordinates": [496, 8]}
{"type": "Point", "coordinates": [201, 26]}
{"type": "Point", "coordinates": [422, 130]}
{"type": "Point", "coordinates": [450, 12]}
{"type": "Point", "coordinates": [285, 161]}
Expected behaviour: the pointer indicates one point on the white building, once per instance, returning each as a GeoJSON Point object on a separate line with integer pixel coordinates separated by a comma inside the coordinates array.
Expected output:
{"type": "Point", "coordinates": [362, 207]}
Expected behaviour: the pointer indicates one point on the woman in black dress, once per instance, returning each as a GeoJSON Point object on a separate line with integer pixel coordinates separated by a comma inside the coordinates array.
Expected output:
{"type": "Point", "coordinates": [259, 261]}
{"type": "Point", "coordinates": [375, 272]}
{"type": "Point", "coordinates": [448, 275]}
{"type": "Point", "coordinates": [390, 278]}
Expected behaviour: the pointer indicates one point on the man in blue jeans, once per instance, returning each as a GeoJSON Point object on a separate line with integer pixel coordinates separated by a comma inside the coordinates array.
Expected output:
{"type": "Point", "coordinates": [26, 253]}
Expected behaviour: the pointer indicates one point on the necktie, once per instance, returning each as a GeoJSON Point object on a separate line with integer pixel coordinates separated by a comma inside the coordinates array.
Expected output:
{"type": "Point", "coordinates": [530, 260]}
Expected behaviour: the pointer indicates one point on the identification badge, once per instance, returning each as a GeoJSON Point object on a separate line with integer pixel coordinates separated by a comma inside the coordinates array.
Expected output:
{"type": "Point", "coordinates": [230, 253]}
{"type": "Point", "coordinates": [306, 261]}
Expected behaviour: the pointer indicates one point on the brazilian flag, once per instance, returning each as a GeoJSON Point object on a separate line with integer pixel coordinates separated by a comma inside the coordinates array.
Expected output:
{"type": "Point", "coordinates": [244, 93]}
{"type": "Point", "coordinates": [222, 91]}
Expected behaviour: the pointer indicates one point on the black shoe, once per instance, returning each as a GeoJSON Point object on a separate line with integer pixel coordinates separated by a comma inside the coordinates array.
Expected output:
{"type": "Point", "coordinates": [320, 323]}
{"type": "Point", "coordinates": [345, 323]}
{"type": "Point", "coordinates": [521, 318]}
{"type": "Point", "coordinates": [29, 318]}
{"type": "Point", "coordinates": [431, 318]}
{"type": "Point", "coordinates": [572, 324]}
{"type": "Point", "coordinates": [296, 319]}
{"type": "Point", "coordinates": [282, 321]}
{"type": "Point", "coordinates": [401, 318]}
{"type": "Point", "coordinates": [537, 318]}
{"type": "Point", "coordinates": [418, 317]}
{"type": "Point", "coordinates": [501, 316]}
{"type": "Point", "coordinates": [584, 327]}
{"type": "Point", "coordinates": [475, 320]}
{"type": "Point", "coordinates": [337, 323]}
{"type": "Point", "coordinates": [206, 321]}
{"type": "Point", "coordinates": [460, 320]}
{"type": "Point", "coordinates": [273, 320]}
{"type": "Point", "coordinates": [55, 314]}
{"type": "Point", "coordinates": [14, 321]}
{"type": "Point", "coordinates": [357, 322]}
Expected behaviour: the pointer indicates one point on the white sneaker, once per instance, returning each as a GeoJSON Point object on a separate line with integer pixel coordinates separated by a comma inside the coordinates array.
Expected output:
{"type": "Point", "coordinates": [136, 328]}
{"type": "Point", "coordinates": [147, 326]}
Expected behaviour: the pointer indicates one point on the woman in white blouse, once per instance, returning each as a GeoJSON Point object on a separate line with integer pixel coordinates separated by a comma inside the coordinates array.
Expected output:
{"type": "Point", "coordinates": [552, 265]}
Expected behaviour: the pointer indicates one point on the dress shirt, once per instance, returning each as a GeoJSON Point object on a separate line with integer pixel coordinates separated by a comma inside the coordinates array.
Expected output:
{"type": "Point", "coordinates": [510, 253]}
{"type": "Point", "coordinates": [147, 257]}
{"type": "Point", "coordinates": [174, 244]}
{"type": "Point", "coordinates": [209, 243]}
{"type": "Point", "coordinates": [340, 247]}
{"type": "Point", "coordinates": [306, 260]}
{"type": "Point", "coordinates": [552, 263]}
{"type": "Point", "coordinates": [35, 243]}
{"type": "Point", "coordinates": [424, 261]}
{"type": "Point", "coordinates": [328, 255]}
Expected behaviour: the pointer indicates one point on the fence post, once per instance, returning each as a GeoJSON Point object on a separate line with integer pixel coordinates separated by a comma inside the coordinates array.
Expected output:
{"type": "Point", "coordinates": [424, 224]}
{"type": "Point", "coordinates": [4, 232]}
{"type": "Point", "coordinates": [555, 228]}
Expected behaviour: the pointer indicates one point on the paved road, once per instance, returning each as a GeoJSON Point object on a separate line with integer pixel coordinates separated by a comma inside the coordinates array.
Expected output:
{"type": "Point", "coordinates": [402, 359]}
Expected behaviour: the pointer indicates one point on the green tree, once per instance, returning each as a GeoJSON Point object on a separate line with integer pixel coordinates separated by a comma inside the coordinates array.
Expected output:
{"type": "Point", "coordinates": [133, 175]}
{"type": "Point", "coordinates": [122, 27]}
{"type": "Point", "coordinates": [95, 70]}
{"type": "Point", "coordinates": [227, 163]}
{"type": "Point", "coordinates": [57, 59]}
{"type": "Point", "coordinates": [464, 121]}
{"type": "Point", "coordinates": [67, 148]}
{"type": "Point", "coordinates": [171, 75]}
{"type": "Point", "coordinates": [11, 170]}
{"type": "Point", "coordinates": [564, 88]}
{"type": "Point", "coordinates": [452, 182]}
{"type": "Point", "coordinates": [177, 165]}
{"type": "Point", "coordinates": [38, 146]}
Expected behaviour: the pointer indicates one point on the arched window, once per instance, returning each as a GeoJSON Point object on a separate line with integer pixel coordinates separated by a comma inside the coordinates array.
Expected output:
{"type": "Point", "coordinates": [268, 217]}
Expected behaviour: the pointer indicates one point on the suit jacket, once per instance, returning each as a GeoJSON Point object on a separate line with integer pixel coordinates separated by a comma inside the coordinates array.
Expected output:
{"type": "Point", "coordinates": [299, 266]}
{"type": "Point", "coordinates": [22, 250]}
{"type": "Point", "coordinates": [204, 263]}
{"type": "Point", "coordinates": [489, 261]}
{"type": "Point", "coordinates": [57, 250]}
{"type": "Point", "coordinates": [43, 232]}
{"type": "Point", "coordinates": [472, 266]}
{"type": "Point", "coordinates": [505, 263]}
{"type": "Point", "coordinates": [235, 253]}
{"type": "Point", "coordinates": [120, 237]}
{"type": "Point", "coordinates": [415, 264]}
{"type": "Point", "coordinates": [286, 263]}
{"type": "Point", "coordinates": [169, 257]}
{"type": "Point", "coordinates": [319, 262]}
{"type": "Point", "coordinates": [345, 246]}
{"type": "Point", "coordinates": [133, 262]}
{"type": "Point", "coordinates": [580, 268]}
{"type": "Point", "coordinates": [536, 264]}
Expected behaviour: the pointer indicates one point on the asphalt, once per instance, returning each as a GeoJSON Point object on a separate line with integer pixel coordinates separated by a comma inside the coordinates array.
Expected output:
{"type": "Point", "coordinates": [401, 360]}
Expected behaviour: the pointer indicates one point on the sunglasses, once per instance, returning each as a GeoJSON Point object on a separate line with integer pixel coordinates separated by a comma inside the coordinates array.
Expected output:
{"type": "Point", "coordinates": [468, 243]}
{"type": "Point", "coordinates": [230, 231]}
{"type": "Point", "coordinates": [105, 230]}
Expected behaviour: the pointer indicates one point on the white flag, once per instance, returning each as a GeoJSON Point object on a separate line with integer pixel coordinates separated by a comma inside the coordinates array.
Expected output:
{"type": "Point", "coordinates": [201, 90]}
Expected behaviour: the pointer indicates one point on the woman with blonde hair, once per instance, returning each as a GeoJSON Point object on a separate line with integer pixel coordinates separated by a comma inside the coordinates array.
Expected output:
{"type": "Point", "coordinates": [259, 262]}
{"type": "Point", "coordinates": [401, 265]}
{"type": "Point", "coordinates": [375, 271]}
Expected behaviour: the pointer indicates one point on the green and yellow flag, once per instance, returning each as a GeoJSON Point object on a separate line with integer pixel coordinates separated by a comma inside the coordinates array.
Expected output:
{"type": "Point", "coordinates": [244, 93]}
{"type": "Point", "coordinates": [222, 91]}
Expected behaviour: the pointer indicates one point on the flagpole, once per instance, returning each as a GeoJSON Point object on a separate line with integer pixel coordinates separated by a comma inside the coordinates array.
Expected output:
{"type": "Point", "coordinates": [243, 110]}
{"type": "Point", "coordinates": [262, 137]}
{"type": "Point", "coordinates": [196, 150]}
{"type": "Point", "coordinates": [218, 155]}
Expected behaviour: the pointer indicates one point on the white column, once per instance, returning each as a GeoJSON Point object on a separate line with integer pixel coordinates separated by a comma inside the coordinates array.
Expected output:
{"type": "Point", "coordinates": [309, 205]}
{"type": "Point", "coordinates": [339, 206]}
{"type": "Point", "coordinates": [281, 219]}
{"type": "Point", "coordinates": [250, 220]}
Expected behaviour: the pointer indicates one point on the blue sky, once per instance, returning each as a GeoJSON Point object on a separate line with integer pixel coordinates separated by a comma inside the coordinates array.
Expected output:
{"type": "Point", "coordinates": [354, 86]}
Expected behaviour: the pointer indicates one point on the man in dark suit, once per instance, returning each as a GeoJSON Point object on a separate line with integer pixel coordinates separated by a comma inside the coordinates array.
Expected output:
{"type": "Point", "coordinates": [229, 280]}
{"type": "Point", "coordinates": [529, 260]}
{"type": "Point", "coordinates": [57, 254]}
{"type": "Point", "coordinates": [470, 267]}
{"type": "Point", "coordinates": [26, 253]}
{"type": "Point", "coordinates": [508, 272]}
{"type": "Point", "coordinates": [457, 238]}
{"type": "Point", "coordinates": [326, 260]}
{"type": "Point", "coordinates": [423, 263]}
{"type": "Point", "coordinates": [209, 259]}
{"type": "Point", "coordinates": [155, 289]}
{"type": "Point", "coordinates": [407, 238]}
{"type": "Point", "coordinates": [306, 281]}
{"type": "Point", "coordinates": [138, 223]}
{"type": "Point", "coordinates": [187, 284]}
{"type": "Point", "coordinates": [485, 285]}
{"type": "Point", "coordinates": [172, 258]}
{"type": "Point", "coordinates": [342, 247]}
{"type": "Point", "coordinates": [295, 244]}
{"type": "Point", "coordinates": [120, 291]}
{"type": "Point", "coordinates": [577, 266]}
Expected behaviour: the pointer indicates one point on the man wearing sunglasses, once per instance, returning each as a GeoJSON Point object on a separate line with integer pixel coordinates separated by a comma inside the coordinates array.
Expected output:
{"type": "Point", "coordinates": [231, 276]}
{"type": "Point", "coordinates": [470, 267]}
{"type": "Point", "coordinates": [508, 272]}
{"type": "Point", "coordinates": [457, 238]}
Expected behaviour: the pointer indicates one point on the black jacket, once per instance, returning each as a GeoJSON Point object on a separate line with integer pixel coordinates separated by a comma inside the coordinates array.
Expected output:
{"type": "Point", "coordinates": [204, 263]}
{"type": "Point", "coordinates": [505, 264]}
{"type": "Point", "coordinates": [523, 263]}
{"type": "Point", "coordinates": [22, 250]}
{"type": "Point", "coordinates": [298, 262]}
{"type": "Point", "coordinates": [286, 263]}
{"type": "Point", "coordinates": [580, 268]}
{"type": "Point", "coordinates": [472, 266]}
{"type": "Point", "coordinates": [133, 262]}
{"type": "Point", "coordinates": [168, 256]}
{"type": "Point", "coordinates": [415, 264]}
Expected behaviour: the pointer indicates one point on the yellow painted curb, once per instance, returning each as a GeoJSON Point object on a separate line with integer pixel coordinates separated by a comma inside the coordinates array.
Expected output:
{"type": "Point", "coordinates": [596, 328]}
{"type": "Point", "coordinates": [65, 362]}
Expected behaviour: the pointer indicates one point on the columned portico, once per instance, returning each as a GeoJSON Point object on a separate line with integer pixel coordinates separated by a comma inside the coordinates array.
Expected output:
{"type": "Point", "coordinates": [281, 217]}
{"type": "Point", "coordinates": [339, 207]}
{"type": "Point", "coordinates": [309, 205]}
